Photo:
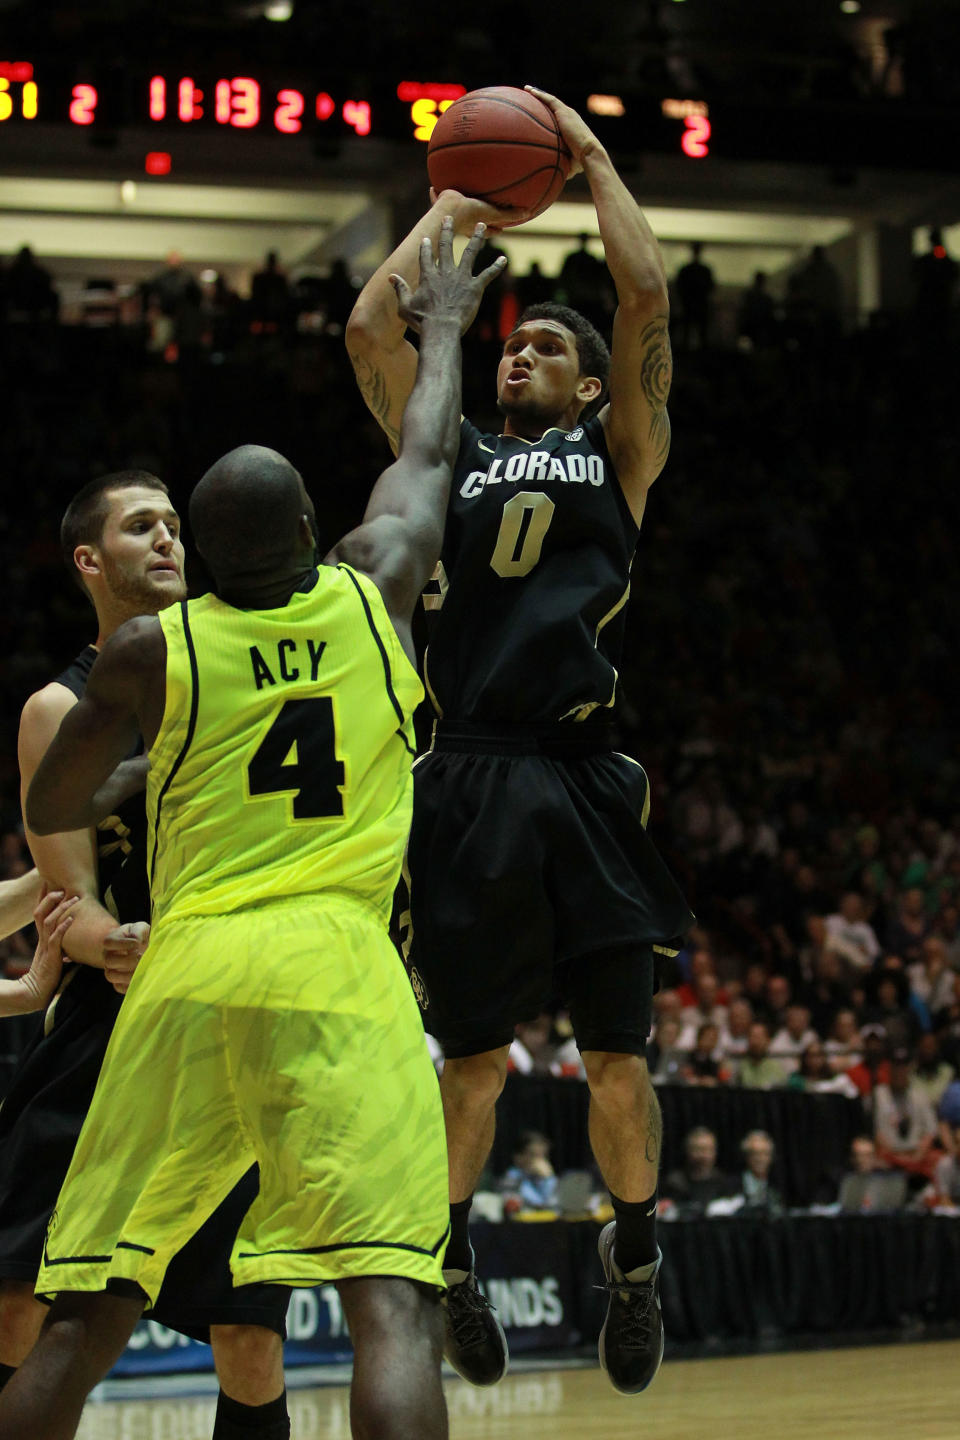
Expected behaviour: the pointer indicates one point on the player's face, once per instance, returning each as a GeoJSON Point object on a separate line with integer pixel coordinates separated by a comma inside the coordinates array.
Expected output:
{"type": "Point", "coordinates": [538, 373]}
{"type": "Point", "coordinates": [140, 551]}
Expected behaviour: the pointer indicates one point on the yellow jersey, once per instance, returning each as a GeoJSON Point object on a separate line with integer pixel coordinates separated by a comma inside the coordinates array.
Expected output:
{"type": "Point", "coordinates": [283, 762]}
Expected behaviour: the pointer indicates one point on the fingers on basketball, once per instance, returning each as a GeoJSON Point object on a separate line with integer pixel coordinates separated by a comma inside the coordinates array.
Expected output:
{"type": "Point", "coordinates": [503, 146]}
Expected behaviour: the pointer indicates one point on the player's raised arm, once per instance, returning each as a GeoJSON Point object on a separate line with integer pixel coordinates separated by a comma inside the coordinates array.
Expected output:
{"type": "Point", "coordinates": [383, 359]}
{"type": "Point", "coordinates": [636, 421]}
{"type": "Point", "coordinates": [124, 698]}
{"type": "Point", "coordinates": [398, 543]}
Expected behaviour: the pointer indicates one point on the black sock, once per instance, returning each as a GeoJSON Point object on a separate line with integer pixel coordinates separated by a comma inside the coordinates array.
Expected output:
{"type": "Point", "coordinates": [458, 1254]}
{"type": "Point", "coordinates": [7, 1372]}
{"type": "Point", "coordinates": [251, 1422]}
{"type": "Point", "coordinates": [636, 1242]}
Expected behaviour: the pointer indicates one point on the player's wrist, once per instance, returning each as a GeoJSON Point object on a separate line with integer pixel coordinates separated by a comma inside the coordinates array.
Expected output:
{"type": "Point", "coordinates": [593, 156]}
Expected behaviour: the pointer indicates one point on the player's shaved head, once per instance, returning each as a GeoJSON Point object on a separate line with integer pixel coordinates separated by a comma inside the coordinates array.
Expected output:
{"type": "Point", "coordinates": [246, 512]}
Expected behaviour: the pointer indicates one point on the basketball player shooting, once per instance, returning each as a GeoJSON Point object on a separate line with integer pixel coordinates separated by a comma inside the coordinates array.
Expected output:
{"type": "Point", "coordinates": [531, 873]}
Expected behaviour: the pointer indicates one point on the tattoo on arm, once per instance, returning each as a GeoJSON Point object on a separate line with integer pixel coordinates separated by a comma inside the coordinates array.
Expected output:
{"type": "Point", "coordinates": [373, 388]}
{"type": "Point", "coordinates": [651, 1149]}
{"type": "Point", "coordinates": [656, 373]}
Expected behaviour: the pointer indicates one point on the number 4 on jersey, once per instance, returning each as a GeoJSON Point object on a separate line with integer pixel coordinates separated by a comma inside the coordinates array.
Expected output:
{"type": "Point", "coordinates": [299, 753]}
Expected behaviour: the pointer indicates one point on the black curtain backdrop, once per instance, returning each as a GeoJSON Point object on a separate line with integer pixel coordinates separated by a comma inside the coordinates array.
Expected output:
{"type": "Point", "coordinates": [812, 1133]}
{"type": "Point", "coordinates": [747, 1280]}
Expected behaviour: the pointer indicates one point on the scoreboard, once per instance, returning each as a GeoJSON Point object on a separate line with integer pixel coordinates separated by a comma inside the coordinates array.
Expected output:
{"type": "Point", "coordinates": [188, 99]}
{"type": "Point", "coordinates": [103, 99]}
{"type": "Point", "coordinates": [112, 97]}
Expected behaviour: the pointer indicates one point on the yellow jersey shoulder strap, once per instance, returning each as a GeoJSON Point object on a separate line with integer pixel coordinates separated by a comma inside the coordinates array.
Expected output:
{"type": "Point", "coordinates": [401, 679]}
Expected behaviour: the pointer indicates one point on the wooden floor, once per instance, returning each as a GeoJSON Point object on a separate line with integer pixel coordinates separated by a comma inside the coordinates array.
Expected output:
{"type": "Point", "coordinates": [895, 1392]}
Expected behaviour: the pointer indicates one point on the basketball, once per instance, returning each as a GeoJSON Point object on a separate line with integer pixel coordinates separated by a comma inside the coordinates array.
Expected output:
{"type": "Point", "coordinates": [501, 145]}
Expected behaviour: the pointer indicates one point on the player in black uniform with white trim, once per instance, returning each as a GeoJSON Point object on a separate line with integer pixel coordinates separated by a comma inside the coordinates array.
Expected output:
{"type": "Point", "coordinates": [531, 871]}
{"type": "Point", "coordinates": [121, 539]}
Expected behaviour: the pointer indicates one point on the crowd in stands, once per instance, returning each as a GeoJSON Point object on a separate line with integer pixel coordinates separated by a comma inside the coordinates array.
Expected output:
{"type": "Point", "coordinates": [788, 681]}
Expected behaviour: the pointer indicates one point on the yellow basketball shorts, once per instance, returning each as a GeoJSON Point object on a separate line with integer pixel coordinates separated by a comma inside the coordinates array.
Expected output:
{"type": "Point", "coordinates": [285, 1034]}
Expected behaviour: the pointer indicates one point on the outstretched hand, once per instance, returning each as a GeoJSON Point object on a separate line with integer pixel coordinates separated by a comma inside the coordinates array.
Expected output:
{"type": "Point", "coordinates": [446, 291]}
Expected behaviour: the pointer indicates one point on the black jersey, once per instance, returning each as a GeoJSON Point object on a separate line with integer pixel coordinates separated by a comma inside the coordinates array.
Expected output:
{"type": "Point", "coordinates": [122, 837]}
{"type": "Point", "coordinates": [533, 580]}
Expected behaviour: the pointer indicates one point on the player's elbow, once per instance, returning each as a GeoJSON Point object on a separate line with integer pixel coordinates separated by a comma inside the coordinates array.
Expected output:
{"type": "Point", "coordinates": [645, 299]}
{"type": "Point", "coordinates": [362, 330]}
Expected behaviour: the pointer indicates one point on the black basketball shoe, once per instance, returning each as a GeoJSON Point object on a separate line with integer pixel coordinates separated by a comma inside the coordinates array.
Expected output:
{"type": "Point", "coordinates": [631, 1341]}
{"type": "Point", "coordinates": [474, 1341]}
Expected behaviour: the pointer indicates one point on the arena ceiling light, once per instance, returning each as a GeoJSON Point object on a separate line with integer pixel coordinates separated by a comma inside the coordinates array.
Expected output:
{"type": "Point", "coordinates": [278, 9]}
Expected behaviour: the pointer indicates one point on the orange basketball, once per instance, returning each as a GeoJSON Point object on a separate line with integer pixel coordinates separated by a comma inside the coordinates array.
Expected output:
{"type": "Point", "coordinates": [501, 145]}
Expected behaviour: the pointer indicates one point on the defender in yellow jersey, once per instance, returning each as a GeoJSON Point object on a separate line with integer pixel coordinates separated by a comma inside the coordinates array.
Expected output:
{"type": "Point", "coordinates": [270, 1018]}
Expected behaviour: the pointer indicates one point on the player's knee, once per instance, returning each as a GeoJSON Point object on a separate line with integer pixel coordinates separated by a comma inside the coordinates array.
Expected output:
{"type": "Point", "coordinates": [618, 1082]}
{"type": "Point", "coordinates": [247, 1356]}
{"type": "Point", "coordinates": [475, 1081]}
{"type": "Point", "coordinates": [379, 1310]}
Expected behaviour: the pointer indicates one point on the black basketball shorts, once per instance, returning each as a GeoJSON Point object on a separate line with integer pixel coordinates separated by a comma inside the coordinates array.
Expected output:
{"type": "Point", "coordinates": [40, 1121]}
{"type": "Point", "coordinates": [531, 876]}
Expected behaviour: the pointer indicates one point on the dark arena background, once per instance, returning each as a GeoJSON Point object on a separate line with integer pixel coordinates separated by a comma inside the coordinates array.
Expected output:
{"type": "Point", "coordinates": [191, 196]}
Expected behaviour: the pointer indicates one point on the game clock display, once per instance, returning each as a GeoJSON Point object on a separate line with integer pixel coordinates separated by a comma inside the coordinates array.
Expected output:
{"type": "Point", "coordinates": [178, 99]}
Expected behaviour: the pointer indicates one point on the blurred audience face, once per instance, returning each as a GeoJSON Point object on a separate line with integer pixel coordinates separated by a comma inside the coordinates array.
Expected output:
{"type": "Point", "coordinates": [739, 1016]}
{"type": "Point", "coordinates": [928, 1050]}
{"type": "Point", "coordinates": [668, 1003]}
{"type": "Point", "coordinates": [701, 1149]}
{"type": "Point", "coordinates": [828, 968]}
{"type": "Point", "coordinates": [667, 1032]}
{"type": "Point", "coordinates": [863, 1155]}
{"type": "Point", "coordinates": [701, 963]}
{"type": "Point", "coordinates": [758, 1041]}
{"type": "Point", "coordinates": [778, 993]}
{"type": "Point", "coordinates": [797, 1020]}
{"type": "Point", "coordinates": [912, 903]}
{"type": "Point", "coordinates": [813, 1063]}
{"type": "Point", "coordinates": [708, 1037]}
{"type": "Point", "coordinates": [844, 1028]}
{"type": "Point", "coordinates": [534, 1157]}
{"type": "Point", "coordinates": [758, 1153]}
{"type": "Point", "coordinates": [706, 992]}
{"type": "Point", "coordinates": [934, 954]}
{"type": "Point", "coordinates": [755, 981]}
{"type": "Point", "coordinates": [816, 928]}
{"type": "Point", "coordinates": [535, 1034]}
{"type": "Point", "coordinates": [948, 922]}
{"type": "Point", "coordinates": [888, 996]}
{"type": "Point", "coordinates": [874, 1047]}
{"type": "Point", "coordinates": [851, 907]}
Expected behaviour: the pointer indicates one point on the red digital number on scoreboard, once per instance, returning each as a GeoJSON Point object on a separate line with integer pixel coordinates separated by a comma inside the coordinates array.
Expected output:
{"type": "Point", "coordinates": [696, 132]}
{"type": "Point", "coordinates": [290, 106]}
{"type": "Point", "coordinates": [84, 104]}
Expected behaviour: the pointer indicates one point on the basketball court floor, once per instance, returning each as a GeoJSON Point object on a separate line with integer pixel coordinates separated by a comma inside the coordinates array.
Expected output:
{"type": "Point", "coordinates": [882, 1393]}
